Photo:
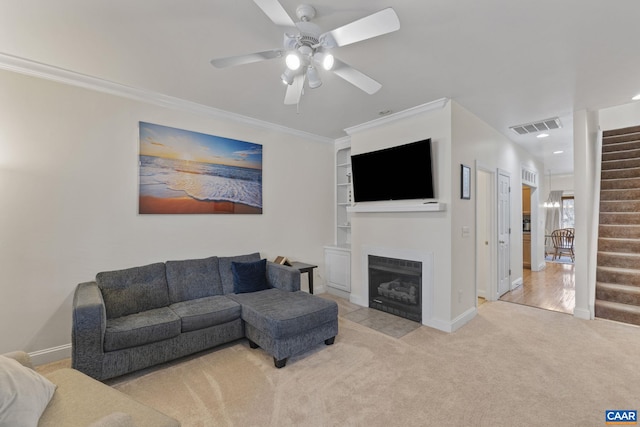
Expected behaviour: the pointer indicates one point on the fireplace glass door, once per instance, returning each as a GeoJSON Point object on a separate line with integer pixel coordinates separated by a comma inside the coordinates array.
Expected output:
{"type": "Point", "coordinates": [395, 286]}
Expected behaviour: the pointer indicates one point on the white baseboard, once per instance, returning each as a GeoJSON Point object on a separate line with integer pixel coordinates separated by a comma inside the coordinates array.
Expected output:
{"type": "Point", "coordinates": [358, 300]}
{"type": "Point", "coordinates": [516, 283]}
{"type": "Point", "coordinates": [464, 318]}
{"type": "Point", "coordinates": [48, 355]}
{"type": "Point", "coordinates": [582, 313]}
{"type": "Point", "coordinates": [455, 324]}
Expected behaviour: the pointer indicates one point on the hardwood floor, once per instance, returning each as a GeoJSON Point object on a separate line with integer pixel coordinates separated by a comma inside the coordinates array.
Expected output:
{"type": "Point", "coordinates": [553, 288]}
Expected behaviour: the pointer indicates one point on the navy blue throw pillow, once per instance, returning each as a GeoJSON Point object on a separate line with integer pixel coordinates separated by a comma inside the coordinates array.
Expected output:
{"type": "Point", "coordinates": [249, 276]}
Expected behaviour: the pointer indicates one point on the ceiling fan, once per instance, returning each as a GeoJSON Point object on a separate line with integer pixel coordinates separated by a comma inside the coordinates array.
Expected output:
{"type": "Point", "coordinates": [306, 47]}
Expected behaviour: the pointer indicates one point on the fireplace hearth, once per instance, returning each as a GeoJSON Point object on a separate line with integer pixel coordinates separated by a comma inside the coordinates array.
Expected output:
{"type": "Point", "coordinates": [395, 286]}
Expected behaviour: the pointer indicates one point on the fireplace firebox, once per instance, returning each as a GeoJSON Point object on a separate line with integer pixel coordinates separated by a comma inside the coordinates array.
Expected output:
{"type": "Point", "coordinates": [395, 286]}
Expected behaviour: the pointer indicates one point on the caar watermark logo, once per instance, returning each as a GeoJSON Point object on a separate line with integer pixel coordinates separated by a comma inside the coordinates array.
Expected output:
{"type": "Point", "coordinates": [621, 417]}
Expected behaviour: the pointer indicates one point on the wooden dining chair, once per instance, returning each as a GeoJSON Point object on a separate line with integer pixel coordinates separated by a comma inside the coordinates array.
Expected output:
{"type": "Point", "coordinates": [562, 240]}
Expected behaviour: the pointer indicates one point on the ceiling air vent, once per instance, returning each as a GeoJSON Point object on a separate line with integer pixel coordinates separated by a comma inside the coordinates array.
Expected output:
{"type": "Point", "coordinates": [541, 126]}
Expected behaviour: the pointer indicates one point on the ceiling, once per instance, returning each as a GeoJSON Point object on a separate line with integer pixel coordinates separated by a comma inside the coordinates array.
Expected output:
{"type": "Point", "coordinates": [507, 62]}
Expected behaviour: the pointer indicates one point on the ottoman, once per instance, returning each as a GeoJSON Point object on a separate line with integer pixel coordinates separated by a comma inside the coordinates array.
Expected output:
{"type": "Point", "coordinates": [285, 323]}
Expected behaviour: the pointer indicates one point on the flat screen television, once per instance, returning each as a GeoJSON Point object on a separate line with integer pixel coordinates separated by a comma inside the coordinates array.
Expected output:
{"type": "Point", "coordinates": [397, 173]}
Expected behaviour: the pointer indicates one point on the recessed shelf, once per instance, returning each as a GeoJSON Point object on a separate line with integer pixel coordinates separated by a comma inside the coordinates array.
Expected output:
{"type": "Point", "coordinates": [397, 207]}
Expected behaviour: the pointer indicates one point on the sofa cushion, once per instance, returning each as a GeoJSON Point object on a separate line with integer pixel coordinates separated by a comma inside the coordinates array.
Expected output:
{"type": "Point", "coordinates": [133, 290]}
{"type": "Point", "coordinates": [80, 400]}
{"type": "Point", "coordinates": [114, 419]}
{"type": "Point", "coordinates": [249, 276]}
{"type": "Point", "coordinates": [226, 275]}
{"type": "Point", "coordinates": [193, 279]}
{"type": "Point", "coordinates": [283, 314]}
{"type": "Point", "coordinates": [205, 312]}
{"type": "Point", "coordinates": [141, 328]}
{"type": "Point", "coordinates": [24, 394]}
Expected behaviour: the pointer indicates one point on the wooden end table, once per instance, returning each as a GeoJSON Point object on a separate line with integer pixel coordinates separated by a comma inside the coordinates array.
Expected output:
{"type": "Point", "coordinates": [305, 268]}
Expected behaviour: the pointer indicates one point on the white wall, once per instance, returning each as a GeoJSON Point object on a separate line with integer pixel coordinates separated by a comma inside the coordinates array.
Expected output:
{"type": "Point", "coordinates": [586, 201]}
{"type": "Point", "coordinates": [475, 141]}
{"type": "Point", "coordinates": [420, 231]}
{"type": "Point", "coordinates": [560, 182]}
{"type": "Point", "coordinates": [459, 137]}
{"type": "Point", "coordinates": [68, 185]}
{"type": "Point", "coordinates": [621, 116]}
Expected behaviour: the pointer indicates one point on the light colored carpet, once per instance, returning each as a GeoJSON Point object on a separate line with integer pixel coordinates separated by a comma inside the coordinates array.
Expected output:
{"type": "Point", "coordinates": [510, 366]}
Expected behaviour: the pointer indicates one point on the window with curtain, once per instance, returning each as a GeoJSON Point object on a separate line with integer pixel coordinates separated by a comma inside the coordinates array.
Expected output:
{"type": "Point", "coordinates": [568, 216]}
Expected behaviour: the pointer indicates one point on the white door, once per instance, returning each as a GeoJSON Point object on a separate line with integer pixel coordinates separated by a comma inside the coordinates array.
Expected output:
{"type": "Point", "coordinates": [504, 232]}
{"type": "Point", "coordinates": [484, 239]}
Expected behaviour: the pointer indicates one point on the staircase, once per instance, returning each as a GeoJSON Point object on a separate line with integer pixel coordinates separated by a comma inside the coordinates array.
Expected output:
{"type": "Point", "coordinates": [618, 268]}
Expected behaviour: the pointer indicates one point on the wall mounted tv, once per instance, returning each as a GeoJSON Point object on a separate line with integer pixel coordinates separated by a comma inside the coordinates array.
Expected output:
{"type": "Point", "coordinates": [397, 173]}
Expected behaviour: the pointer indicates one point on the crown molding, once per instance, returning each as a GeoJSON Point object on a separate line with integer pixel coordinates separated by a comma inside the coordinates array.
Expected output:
{"type": "Point", "coordinates": [438, 104]}
{"type": "Point", "coordinates": [60, 75]}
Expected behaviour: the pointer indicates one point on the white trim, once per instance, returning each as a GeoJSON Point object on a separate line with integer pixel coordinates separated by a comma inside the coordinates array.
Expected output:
{"type": "Point", "coordinates": [438, 104]}
{"type": "Point", "coordinates": [465, 317]}
{"type": "Point", "coordinates": [359, 299]}
{"type": "Point", "coordinates": [60, 75]}
{"type": "Point", "coordinates": [399, 207]}
{"type": "Point", "coordinates": [517, 283]}
{"type": "Point", "coordinates": [49, 355]}
{"type": "Point", "coordinates": [581, 313]}
{"type": "Point", "coordinates": [455, 324]}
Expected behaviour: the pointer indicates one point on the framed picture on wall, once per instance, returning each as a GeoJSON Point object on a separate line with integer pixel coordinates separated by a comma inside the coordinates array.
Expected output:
{"type": "Point", "coordinates": [465, 182]}
{"type": "Point", "coordinates": [185, 172]}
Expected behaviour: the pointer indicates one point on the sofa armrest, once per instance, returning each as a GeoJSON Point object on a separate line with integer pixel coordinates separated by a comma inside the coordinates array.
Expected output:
{"type": "Point", "coordinates": [20, 356]}
{"type": "Point", "coordinates": [89, 323]}
{"type": "Point", "coordinates": [283, 277]}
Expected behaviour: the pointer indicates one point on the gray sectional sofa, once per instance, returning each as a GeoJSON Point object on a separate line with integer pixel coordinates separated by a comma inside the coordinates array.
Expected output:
{"type": "Point", "coordinates": [131, 319]}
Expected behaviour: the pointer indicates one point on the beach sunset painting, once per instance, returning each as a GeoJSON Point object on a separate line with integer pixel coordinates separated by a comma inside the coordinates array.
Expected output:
{"type": "Point", "coordinates": [184, 172]}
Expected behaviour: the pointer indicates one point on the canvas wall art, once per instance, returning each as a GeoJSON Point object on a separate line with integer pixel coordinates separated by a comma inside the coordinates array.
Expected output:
{"type": "Point", "coordinates": [184, 172]}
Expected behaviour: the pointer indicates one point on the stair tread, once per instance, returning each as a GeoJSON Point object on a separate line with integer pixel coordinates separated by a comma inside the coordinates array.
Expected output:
{"type": "Point", "coordinates": [618, 269]}
{"type": "Point", "coordinates": [621, 239]}
{"type": "Point", "coordinates": [619, 306]}
{"type": "Point", "coordinates": [620, 287]}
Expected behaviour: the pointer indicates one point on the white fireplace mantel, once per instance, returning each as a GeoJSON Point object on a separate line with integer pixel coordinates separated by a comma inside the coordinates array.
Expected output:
{"type": "Point", "coordinates": [397, 207]}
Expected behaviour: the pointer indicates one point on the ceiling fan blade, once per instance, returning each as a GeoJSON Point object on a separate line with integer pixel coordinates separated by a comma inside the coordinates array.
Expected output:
{"type": "Point", "coordinates": [355, 77]}
{"type": "Point", "coordinates": [232, 61]}
{"type": "Point", "coordinates": [382, 22]}
{"type": "Point", "coordinates": [294, 90]}
{"type": "Point", "coordinates": [274, 11]}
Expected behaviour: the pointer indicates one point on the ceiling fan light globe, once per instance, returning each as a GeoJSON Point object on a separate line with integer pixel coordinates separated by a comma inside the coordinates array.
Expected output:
{"type": "Point", "coordinates": [293, 61]}
{"type": "Point", "coordinates": [287, 77]}
{"type": "Point", "coordinates": [328, 61]}
{"type": "Point", "coordinates": [313, 78]}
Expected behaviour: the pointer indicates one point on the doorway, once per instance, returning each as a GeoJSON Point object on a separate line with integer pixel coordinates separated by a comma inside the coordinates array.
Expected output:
{"type": "Point", "coordinates": [485, 233]}
{"type": "Point", "coordinates": [504, 232]}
